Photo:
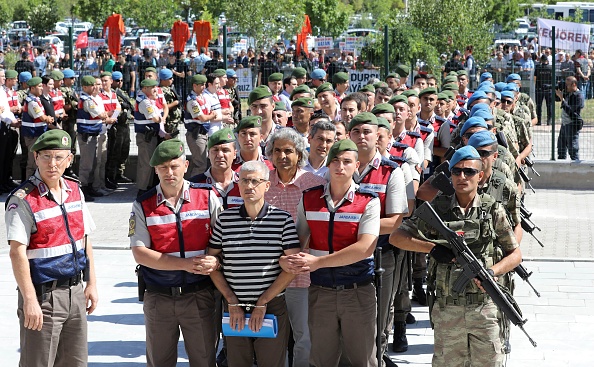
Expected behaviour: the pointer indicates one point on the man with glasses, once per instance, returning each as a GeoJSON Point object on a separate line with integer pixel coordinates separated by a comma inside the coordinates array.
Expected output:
{"type": "Point", "coordinates": [463, 330]}
{"type": "Point", "coordinates": [47, 224]}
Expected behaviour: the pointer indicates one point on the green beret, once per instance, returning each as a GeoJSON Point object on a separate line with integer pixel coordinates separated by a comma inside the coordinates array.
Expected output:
{"type": "Point", "coordinates": [37, 80]}
{"type": "Point", "coordinates": [166, 151]}
{"type": "Point", "coordinates": [451, 95]}
{"type": "Point", "coordinates": [275, 77]}
{"type": "Point", "coordinates": [10, 74]}
{"type": "Point", "coordinates": [300, 89]}
{"type": "Point", "coordinates": [450, 79]}
{"type": "Point", "coordinates": [392, 75]}
{"type": "Point", "coordinates": [340, 77]}
{"type": "Point", "coordinates": [382, 122]}
{"type": "Point", "coordinates": [249, 122]}
{"type": "Point", "coordinates": [363, 118]}
{"type": "Point", "coordinates": [219, 72]}
{"type": "Point", "coordinates": [299, 73]}
{"type": "Point", "coordinates": [450, 86]}
{"type": "Point", "coordinates": [382, 108]}
{"type": "Point", "coordinates": [105, 73]}
{"type": "Point", "coordinates": [402, 70]}
{"type": "Point", "coordinates": [399, 98]}
{"type": "Point", "coordinates": [198, 79]}
{"type": "Point", "coordinates": [303, 102]}
{"type": "Point", "coordinates": [259, 93]}
{"type": "Point", "coordinates": [149, 83]}
{"type": "Point", "coordinates": [453, 73]}
{"type": "Point", "coordinates": [367, 88]}
{"type": "Point", "coordinates": [280, 106]}
{"type": "Point", "coordinates": [462, 72]}
{"type": "Point", "coordinates": [86, 81]}
{"type": "Point", "coordinates": [429, 90]}
{"type": "Point", "coordinates": [324, 87]}
{"type": "Point", "coordinates": [150, 70]}
{"type": "Point", "coordinates": [380, 85]}
{"type": "Point", "coordinates": [55, 75]}
{"type": "Point", "coordinates": [222, 136]}
{"type": "Point", "coordinates": [339, 147]}
{"type": "Point", "coordinates": [442, 96]}
{"type": "Point", "coordinates": [410, 93]}
{"type": "Point", "coordinates": [52, 139]}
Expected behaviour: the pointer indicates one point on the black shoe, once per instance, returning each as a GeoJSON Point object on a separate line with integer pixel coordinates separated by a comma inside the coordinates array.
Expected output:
{"type": "Point", "coordinates": [12, 184]}
{"type": "Point", "coordinates": [90, 191]}
{"type": "Point", "coordinates": [410, 319]}
{"type": "Point", "coordinates": [388, 361]}
{"type": "Point", "coordinates": [123, 179]}
{"type": "Point", "coordinates": [111, 184]}
{"type": "Point", "coordinates": [400, 344]}
{"type": "Point", "coordinates": [418, 292]}
{"type": "Point", "coordinates": [88, 197]}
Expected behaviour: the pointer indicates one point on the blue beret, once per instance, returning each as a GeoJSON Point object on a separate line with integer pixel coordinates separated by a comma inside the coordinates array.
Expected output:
{"type": "Point", "coordinates": [485, 114]}
{"type": "Point", "coordinates": [508, 94]}
{"type": "Point", "coordinates": [498, 95]}
{"type": "Point", "coordinates": [165, 74]}
{"type": "Point", "coordinates": [68, 73]}
{"type": "Point", "coordinates": [318, 74]}
{"type": "Point", "coordinates": [479, 106]}
{"type": "Point", "coordinates": [231, 73]}
{"type": "Point", "coordinates": [513, 76]}
{"type": "Point", "coordinates": [476, 96]}
{"type": "Point", "coordinates": [116, 75]}
{"type": "Point", "coordinates": [486, 89]}
{"type": "Point", "coordinates": [482, 138]}
{"type": "Point", "coordinates": [463, 154]}
{"type": "Point", "coordinates": [499, 86]}
{"type": "Point", "coordinates": [473, 122]}
{"type": "Point", "coordinates": [25, 76]}
{"type": "Point", "coordinates": [485, 76]}
{"type": "Point", "coordinates": [511, 87]}
{"type": "Point", "coordinates": [486, 83]}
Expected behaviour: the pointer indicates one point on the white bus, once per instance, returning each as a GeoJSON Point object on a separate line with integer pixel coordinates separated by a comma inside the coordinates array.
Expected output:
{"type": "Point", "coordinates": [563, 10]}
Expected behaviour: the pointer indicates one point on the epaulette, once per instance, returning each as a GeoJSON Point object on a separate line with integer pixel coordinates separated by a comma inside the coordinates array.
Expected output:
{"type": "Point", "coordinates": [367, 192]}
{"type": "Point", "coordinates": [426, 129]}
{"type": "Point", "coordinates": [203, 186]}
{"type": "Point", "coordinates": [439, 118]}
{"type": "Point", "coordinates": [21, 191]}
{"type": "Point", "coordinates": [398, 160]}
{"type": "Point", "coordinates": [414, 134]}
{"type": "Point", "coordinates": [314, 188]}
{"type": "Point", "coordinates": [387, 162]}
{"type": "Point", "coordinates": [398, 144]}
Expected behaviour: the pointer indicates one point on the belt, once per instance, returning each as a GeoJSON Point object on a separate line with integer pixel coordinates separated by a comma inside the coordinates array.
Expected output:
{"type": "Point", "coordinates": [466, 299]}
{"type": "Point", "coordinates": [179, 291]}
{"type": "Point", "coordinates": [346, 286]}
{"type": "Point", "coordinates": [50, 286]}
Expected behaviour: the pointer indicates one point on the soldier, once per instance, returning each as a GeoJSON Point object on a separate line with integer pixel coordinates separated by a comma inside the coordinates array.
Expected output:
{"type": "Point", "coordinates": [118, 137]}
{"type": "Point", "coordinates": [112, 107]}
{"type": "Point", "coordinates": [172, 99]}
{"type": "Point", "coordinates": [22, 94]}
{"type": "Point", "coordinates": [249, 137]}
{"type": "Point", "coordinates": [543, 79]}
{"type": "Point", "coordinates": [340, 82]}
{"type": "Point", "coordinates": [231, 88]}
{"type": "Point", "coordinates": [328, 101]}
{"type": "Point", "coordinates": [463, 330]}
{"type": "Point", "coordinates": [70, 106]}
{"type": "Point", "coordinates": [520, 117]}
{"type": "Point", "coordinates": [227, 108]}
{"type": "Point", "coordinates": [10, 135]}
{"type": "Point", "coordinates": [523, 98]}
{"type": "Point", "coordinates": [280, 114]}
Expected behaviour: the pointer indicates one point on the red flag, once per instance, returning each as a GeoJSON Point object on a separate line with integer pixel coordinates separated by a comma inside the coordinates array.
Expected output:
{"type": "Point", "coordinates": [82, 41]}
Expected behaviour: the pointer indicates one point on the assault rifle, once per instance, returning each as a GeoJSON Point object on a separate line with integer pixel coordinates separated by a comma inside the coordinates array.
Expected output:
{"type": "Point", "coordinates": [527, 224]}
{"type": "Point", "coordinates": [473, 268]}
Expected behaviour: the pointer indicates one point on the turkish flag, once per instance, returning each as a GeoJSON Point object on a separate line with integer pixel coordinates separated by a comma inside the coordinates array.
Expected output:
{"type": "Point", "coordinates": [82, 41]}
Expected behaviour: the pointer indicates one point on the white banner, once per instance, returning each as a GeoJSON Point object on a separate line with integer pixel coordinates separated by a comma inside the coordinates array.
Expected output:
{"type": "Point", "coordinates": [324, 43]}
{"type": "Point", "coordinates": [359, 79]}
{"type": "Point", "coordinates": [95, 43]}
{"type": "Point", "coordinates": [244, 82]}
{"type": "Point", "coordinates": [353, 43]}
{"type": "Point", "coordinates": [150, 42]}
{"type": "Point", "coordinates": [569, 36]}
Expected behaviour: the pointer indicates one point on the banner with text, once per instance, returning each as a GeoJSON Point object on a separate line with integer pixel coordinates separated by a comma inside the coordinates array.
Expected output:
{"type": "Point", "coordinates": [96, 43]}
{"type": "Point", "coordinates": [324, 43]}
{"type": "Point", "coordinates": [359, 78]}
{"type": "Point", "coordinates": [245, 82]}
{"type": "Point", "coordinates": [150, 42]}
{"type": "Point", "coordinates": [569, 36]}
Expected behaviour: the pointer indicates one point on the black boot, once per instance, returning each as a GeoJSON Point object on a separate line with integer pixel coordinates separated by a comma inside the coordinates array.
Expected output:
{"type": "Point", "coordinates": [400, 344]}
{"type": "Point", "coordinates": [87, 194]}
{"type": "Point", "coordinates": [410, 319]}
{"type": "Point", "coordinates": [418, 292]}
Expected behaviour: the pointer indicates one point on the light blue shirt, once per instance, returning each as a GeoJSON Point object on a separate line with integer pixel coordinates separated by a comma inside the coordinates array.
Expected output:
{"type": "Point", "coordinates": [199, 61]}
{"type": "Point", "coordinates": [527, 64]}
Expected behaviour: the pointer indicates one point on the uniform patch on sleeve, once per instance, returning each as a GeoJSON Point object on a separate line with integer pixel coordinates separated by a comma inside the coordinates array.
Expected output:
{"type": "Point", "coordinates": [195, 109]}
{"type": "Point", "coordinates": [37, 110]}
{"type": "Point", "coordinates": [12, 207]}
{"type": "Point", "coordinates": [132, 225]}
{"type": "Point", "coordinates": [150, 109]}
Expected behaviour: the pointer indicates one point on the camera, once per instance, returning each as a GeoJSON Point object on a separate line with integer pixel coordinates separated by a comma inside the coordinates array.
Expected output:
{"type": "Point", "coordinates": [561, 85]}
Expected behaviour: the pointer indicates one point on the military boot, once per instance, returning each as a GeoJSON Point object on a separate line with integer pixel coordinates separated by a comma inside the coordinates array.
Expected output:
{"type": "Point", "coordinates": [400, 344]}
{"type": "Point", "coordinates": [418, 292]}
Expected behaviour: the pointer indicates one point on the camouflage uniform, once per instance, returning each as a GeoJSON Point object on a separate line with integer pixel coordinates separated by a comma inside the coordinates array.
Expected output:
{"type": "Point", "coordinates": [175, 113]}
{"type": "Point", "coordinates": [467, 325]}
{"type": "Point", "coordinates": [521, 117]}
{"type": "Point", "coordinates": [507, 159]}
{"type": "Point", "coordinates": [118, 142]}
{"type": "Point", "coordinates": [504, 123]}
{"type": "Point", "coordinates": [500, 166]}
{"type": "Point", "coordinates": [70, 99]}
{"type": "Point", "coordinates": [525, 100]}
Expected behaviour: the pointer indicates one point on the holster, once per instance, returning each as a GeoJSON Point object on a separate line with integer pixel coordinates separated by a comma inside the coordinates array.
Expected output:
{"type": "Point", "coordinates": [141, 283]}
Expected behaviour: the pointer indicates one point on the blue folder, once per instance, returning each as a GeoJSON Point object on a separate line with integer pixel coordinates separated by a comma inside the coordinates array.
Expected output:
{"type": "Point", "coordinates": [269, 327]}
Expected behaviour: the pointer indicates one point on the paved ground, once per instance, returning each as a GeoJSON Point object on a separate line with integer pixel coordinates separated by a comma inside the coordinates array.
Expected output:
{"type": "Point", "coordinates": [561, 320]}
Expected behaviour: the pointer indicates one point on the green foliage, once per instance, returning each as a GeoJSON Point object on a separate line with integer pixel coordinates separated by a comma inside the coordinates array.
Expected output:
{"type": "Point", "coordinates": [377, 8]}
{"type": "Point", "coordinates": [156, 15]}
{"type": "Point", "coordinates": [6, 12]}
{"type": "Point", "coordinates": [542, 13]}
{"type": "Point", "coordinates": [10, 59]}
{"type": "Point", "coordinates": [328, 17]}
{"type": "Point", "coordinates": [42, 17]}
{"type": "Point", "coordinates": [97, 12]}
{"type": "Point", "coordinates": [505, 13]}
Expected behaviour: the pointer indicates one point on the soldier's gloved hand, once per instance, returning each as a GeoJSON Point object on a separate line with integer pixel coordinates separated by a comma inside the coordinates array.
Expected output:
{"type": "Point", "coordinates": [442, 254]}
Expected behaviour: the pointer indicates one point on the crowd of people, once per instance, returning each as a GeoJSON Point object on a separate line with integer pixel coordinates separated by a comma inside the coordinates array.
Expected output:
{"type": "Point", "coordinates": [280, 211]}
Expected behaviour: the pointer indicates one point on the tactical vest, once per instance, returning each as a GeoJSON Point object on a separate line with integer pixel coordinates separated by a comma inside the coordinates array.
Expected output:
{"type": "Point", "coordinates": [56, 248]}
{"type": "Point", "coordinates": [189, 121]}
{"type": "Point", "coordinates": [140, 121]}
{"type": "Point", "coordinates": [13, 97]}
{"type": "Point", "coordinates": [231, 199]}
{"type": "Point", "coordinates": [184, 234]}
{"type": "Point", "coordinates": [334, 231]}
{"type": "Point", "coordinates": [57, 101]}
{"type": "Point", "coordinates": [32, 127]}
{"type": "Point", "coordinates": [479, 234]}
{"type": "Point", "coordinates": [87, 124]}
{"type": "Point", "coordinates": [110, 100]}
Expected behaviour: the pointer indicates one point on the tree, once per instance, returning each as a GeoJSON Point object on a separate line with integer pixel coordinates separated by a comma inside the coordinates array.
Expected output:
{"type": "Point", "coordinates": [6, 12]}
{"type": "Point", "coordinates": [43, 17]}
{"type": "Point", "coordinates": [505, 13]}
{"type": "Point", "coordinates": [328, 17]}
{"type": "Point", "coordinates": [97, 12]}
{"type": "Point", "coordinates": [156, 15]}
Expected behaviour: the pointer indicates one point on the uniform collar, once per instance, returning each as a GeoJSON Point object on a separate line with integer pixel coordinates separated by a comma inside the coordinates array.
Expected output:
{"type": "Point", "coordinates": [349, 195]}
{"type": "Point", "coordinates": [185, 193]}
{"type": "Point", "coordinates": [373, 164]}
{"type": "Point", "coordinates": [42, 187]}
{"type": "Point", "coordinates": [476, 202]}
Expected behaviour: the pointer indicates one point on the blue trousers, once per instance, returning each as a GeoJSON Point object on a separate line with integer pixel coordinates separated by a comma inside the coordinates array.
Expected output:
{"type": "Point", "coordinates": [568, 139]}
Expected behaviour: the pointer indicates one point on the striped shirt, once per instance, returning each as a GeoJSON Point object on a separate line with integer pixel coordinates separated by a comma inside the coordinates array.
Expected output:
{"type": "Point", "coordinates": [252, 249]}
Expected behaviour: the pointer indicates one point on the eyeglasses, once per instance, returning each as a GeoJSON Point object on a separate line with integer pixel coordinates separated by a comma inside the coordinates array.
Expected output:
{"type": "Point", "coordinates": [47, 158]}
{"type": "Point", "coordinates": [506, 101]}
{"type": "Point", "coordinates": [485, 153]}
{"type": "Point", "coordinates": [254, 182]}
{"type": "Point", "coordinates": [468, 172]}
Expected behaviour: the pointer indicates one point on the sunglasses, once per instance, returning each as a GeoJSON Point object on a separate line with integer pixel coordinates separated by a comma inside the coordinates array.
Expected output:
{"type": "Point", "coordinates": [485, 153]}
{"type": "Point", "coordinates": [468, 172]}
